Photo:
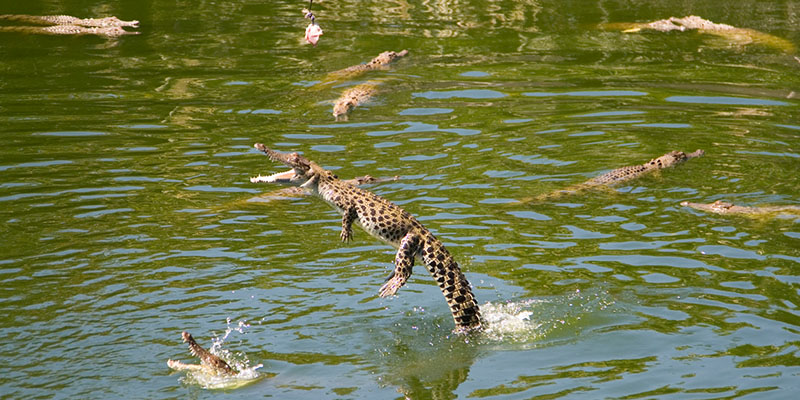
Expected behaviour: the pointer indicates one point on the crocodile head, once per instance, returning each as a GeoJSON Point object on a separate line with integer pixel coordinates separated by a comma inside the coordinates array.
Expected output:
{"type": "Point", "coordinates": [303, 173]}
{"type": "Point", "coordinates": [717, 207]}
{"type": "Point", "coordinates": [387, 57]}
{"type": "Point", "coordinates": [673, 158]}
{"type": "Point", "coordinates": [113, 21]}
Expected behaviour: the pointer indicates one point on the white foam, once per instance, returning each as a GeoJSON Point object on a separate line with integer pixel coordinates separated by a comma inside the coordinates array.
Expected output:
{"type": "Point", "coordinates": [511, 320]}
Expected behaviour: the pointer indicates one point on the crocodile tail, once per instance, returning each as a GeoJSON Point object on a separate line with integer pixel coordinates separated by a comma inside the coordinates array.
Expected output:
{"type": "Point", "coordinates": [454, 285]}
{"type": "Point", "coordinates": [31, 19]}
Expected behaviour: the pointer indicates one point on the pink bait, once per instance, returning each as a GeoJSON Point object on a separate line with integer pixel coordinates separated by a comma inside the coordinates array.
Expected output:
{"type": "Point", "coordinates": [313, 32]}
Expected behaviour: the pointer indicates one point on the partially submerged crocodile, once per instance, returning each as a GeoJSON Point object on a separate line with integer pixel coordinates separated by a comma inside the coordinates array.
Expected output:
{"type": "Point", "coordinates": [741, 36]}
{"type": "Point", "coordinates": [627, 173]}
{"type": "Point", "coordinates": [209, 363]}
{"type": "Point", "coordinates": [69, 20]}
{"type": "Point", "coordinates": [108, 31]}
{"type": "Point", "coordinates": [389, 223]}
{"type": "Point", "coordinates": [109, 27]}
{"type": "Point", "coordinates": [380, 62]}
{"type": "Point", "coordinates": [352, 98]}
{"type": "Point", "coordinates": [725, 208]}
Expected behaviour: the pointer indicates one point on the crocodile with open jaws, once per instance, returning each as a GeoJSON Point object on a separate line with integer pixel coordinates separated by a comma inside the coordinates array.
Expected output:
{"type": "Point", "coordinates": [389, 223]}
{"type": "Point", "coordinates": [109, 27]}
{"type": "Point", "coordinates": [625, 174]}
{"type": "Point", "coordinates": [209, 363]}
{"type": "Point", "coordinates": [380, 62]}
{"type": "Point", "coordinates": [296, 191]}
{"type": "Point", "coordinates": [725, 208]}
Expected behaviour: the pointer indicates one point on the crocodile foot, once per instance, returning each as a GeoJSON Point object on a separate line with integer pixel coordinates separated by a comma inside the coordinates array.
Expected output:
{"type": "Point", "coordinates": [390, 288]}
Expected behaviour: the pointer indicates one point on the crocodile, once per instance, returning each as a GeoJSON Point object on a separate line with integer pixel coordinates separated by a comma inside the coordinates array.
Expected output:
{"type": "Point", "coordinates": [296, 191]}
{"type": "Point", "coordinates": [725, 208]}
{"type": "Point", "coordinates": [110, 27]}
{"type": "Point", "coordinates": [389, 223]}
{"type": "Point", "coordinates": [69, 20]}
{"type": "Point", "coordinates": [209, 363]}
{"type": "Point", "coordinates": [381, 62]}
{"type": "Point", "coordinates": [75, 30]}
{"type": "Point", "coordinates": [625, 174]}
{"type": "Point", "coordinates": [352, 98]}
{"type": "Point", "coordinates": [741, 36]}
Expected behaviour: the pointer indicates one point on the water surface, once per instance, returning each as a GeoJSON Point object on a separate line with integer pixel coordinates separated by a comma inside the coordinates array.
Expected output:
{"type": "Point", "coordinates": [125, 215]}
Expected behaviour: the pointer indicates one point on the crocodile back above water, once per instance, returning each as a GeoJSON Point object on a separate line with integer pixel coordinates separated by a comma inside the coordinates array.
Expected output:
{"type": "Point", "coordinates": [623, 174]}
{"type": "Point", "coordinates": [620, 175]}
{"type": "Point", "coordinates": [73, 30]}
{"type": "Point", "coordinates": [382, 61]}
{"type": "Point", "coordinates": [68, 20]}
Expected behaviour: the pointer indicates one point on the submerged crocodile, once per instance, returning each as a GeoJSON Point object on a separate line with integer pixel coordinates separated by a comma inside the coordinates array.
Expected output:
{"type": "Point", "coordinates": [380, 62]}
{"type": "Point", "coordinates": [725, 208]}
{"type": "Point", "coordinates": [627, 173]}
{"type": "Point", "coordinates": [352, 98]}
{"type": "Point", "coordinates": [389, 223]}
{"type": "Point", "coordinates": [741, 36]}
{"type": "Point", "coordinates": [67, 25]}
{"type": "Point", "coordinates": [209, 363]}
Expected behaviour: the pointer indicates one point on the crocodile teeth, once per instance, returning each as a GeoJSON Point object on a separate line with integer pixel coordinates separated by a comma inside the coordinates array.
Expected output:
{"type": "Point", "coordinates": [279, 177]}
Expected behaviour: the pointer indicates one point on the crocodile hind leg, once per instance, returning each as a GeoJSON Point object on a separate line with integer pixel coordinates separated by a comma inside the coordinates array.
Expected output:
{"type": "Point", "coordinates": [403, 263]}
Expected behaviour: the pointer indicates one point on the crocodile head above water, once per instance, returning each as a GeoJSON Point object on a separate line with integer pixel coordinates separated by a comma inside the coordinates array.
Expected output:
{"type": "Point", "coordinates": [717, 207]}
{"type": "Point", "coordinates": [673, 158]}
{"type": "Point", "coordinates": [353, 98]}
{"type": "Point", "coordinates": [387, 57]}
{"type": "Point", "coordinates": [303, 173]}
{"type": "Point", "coordinates": [209, 363]}
{"type": "Point", "coordinates": [725, 208]}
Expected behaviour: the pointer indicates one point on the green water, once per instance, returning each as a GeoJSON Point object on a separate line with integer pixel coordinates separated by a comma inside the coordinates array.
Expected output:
{"type": "Point", "coordinates": [124, 215]}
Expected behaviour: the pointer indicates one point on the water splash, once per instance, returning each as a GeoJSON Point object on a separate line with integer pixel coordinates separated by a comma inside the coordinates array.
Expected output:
{"type": "Point", "coordinates": [237, 360]}
{"type": "Point", "coordinates": [532, 320]}
{"type": "Point", "coordinates": [511, 320]}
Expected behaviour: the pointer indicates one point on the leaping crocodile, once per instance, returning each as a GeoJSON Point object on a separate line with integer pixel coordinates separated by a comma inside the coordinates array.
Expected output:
{"type": "Point", "coordinates": [389, 223]}
{"type": "Point", "coordinates": [209, 363]}
{"type": "Point", "coordinates": [725, 208]}
{"type": "Point", "coordinates": [625, 174]}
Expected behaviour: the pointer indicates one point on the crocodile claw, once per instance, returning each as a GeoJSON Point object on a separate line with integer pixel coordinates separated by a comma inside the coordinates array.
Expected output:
{"type": "Point", "coordinates": [390, 288]}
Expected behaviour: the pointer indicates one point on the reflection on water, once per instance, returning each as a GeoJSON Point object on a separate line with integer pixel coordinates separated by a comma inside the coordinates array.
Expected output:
{"type": "Point", "coordinates": [124, 180]}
